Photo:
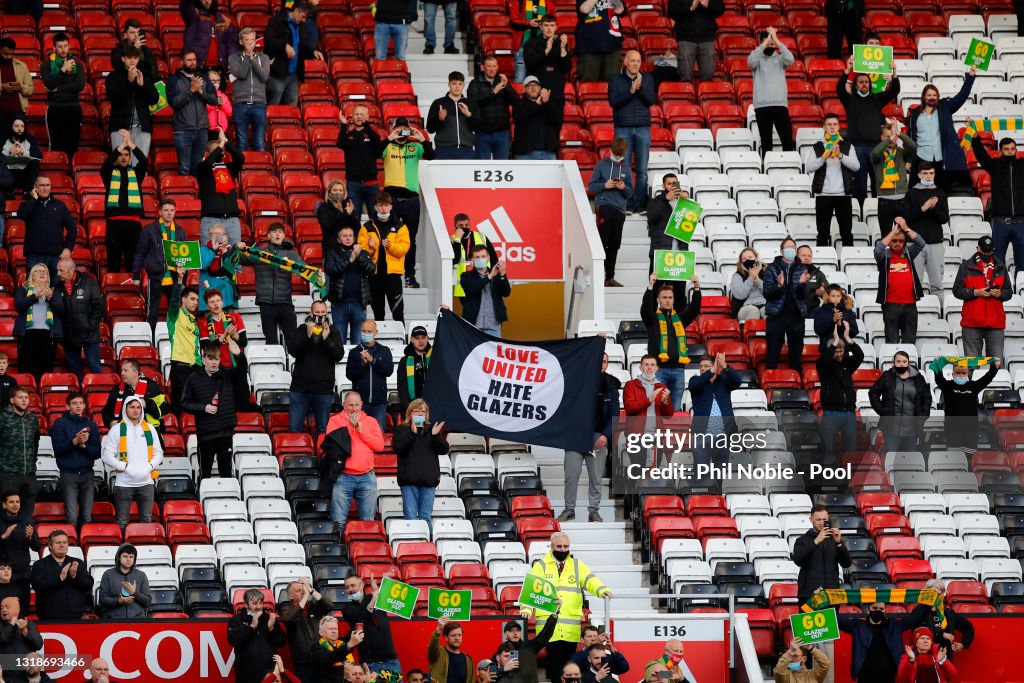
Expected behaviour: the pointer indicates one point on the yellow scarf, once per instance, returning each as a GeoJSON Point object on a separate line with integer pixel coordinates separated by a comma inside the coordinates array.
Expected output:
{"type": "Point", "coordinates": [677, 327]}
{"type": "Point", "coordinates": [890, 176]}
{"type": "Point", "coordinates": [832, 146]}
{"type": "Point", "coordinates": [122, 443]}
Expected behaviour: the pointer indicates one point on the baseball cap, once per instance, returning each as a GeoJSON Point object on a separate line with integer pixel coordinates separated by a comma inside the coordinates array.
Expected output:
{"type": "Point", "coordinates": [531, 79]}
{"type": "Point", "coordinates": [483, 663]}
{"type": "Point", "coordinates": [418, 331]}
{"type": "Point", "coordinates": [985, 243]}
{"type": "Point", "coordinates": [510, 625]}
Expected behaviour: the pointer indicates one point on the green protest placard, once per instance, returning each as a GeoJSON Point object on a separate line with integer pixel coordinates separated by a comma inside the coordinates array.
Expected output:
{"type": "Point", "coordinates": [397, 598]}
{"type": "Point", "coordinates": [538, 593]}
{"type": "Point", "coordinates": [815, 627]}
{"type": "Point", "coordinates": [161, 103]}
{"type": "Point", "coordinates": [979, 54]}
{"type": "Point", "coordinates": [878, 84]}
{"type": "Point", "coordinates": [454, 605]}
{"type": "Point", "coordinates": [872, 59]}
{"type": "Point", "coordinates": [674, 265]}
{"type": "Point", "coordinates": [683, 220]}
{"type": "Point", "coordinates": [183, 255]}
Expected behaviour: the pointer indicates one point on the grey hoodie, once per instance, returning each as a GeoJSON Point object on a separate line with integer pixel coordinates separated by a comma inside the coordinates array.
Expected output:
{"type": "Point", "coordinates": [110, 589]}
{"type": "Point", "coordinates": [251, 76]}
{"type": "Point", "coordinates": [770, 76]}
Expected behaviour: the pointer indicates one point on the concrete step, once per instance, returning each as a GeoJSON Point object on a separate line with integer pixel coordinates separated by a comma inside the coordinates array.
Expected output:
{"type": "Point", "coordinates": [623, 302]}
{"type": "Point", "coordinates": [435, 67]}
{"type": "Point", "coordinates": [417, 40]}
{"type": "Point", "coordinates": [632, 275]}
{"type": "Point", "coordinates": [607, 508]}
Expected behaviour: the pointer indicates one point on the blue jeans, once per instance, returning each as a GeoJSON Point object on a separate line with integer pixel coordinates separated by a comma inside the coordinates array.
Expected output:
{"type": "Point", "coordinates": [384, 33]}
{"type": "Point", "coordinates": [388, 665]}
{"type": "Point", "coordinates": [283, 90]}
{"type": "Point", "coordinates": [361, 486]}
{"type": "Point", "coordinates": [430, 15]}
{"type": "Point", "coordinates": [362, 195]}
{"type": "Point", "coordinates": [860, 178]}
{"type": "Point", "coordinates": [299, 405]}
{"type": "Point", "coordinates": [492, 145]}
{"type": "Point", "coordinates": [520, 73]}
{"type": "Point", "coordinates": [418, 503]}
{"type": "Point", "coordinates": [454, 153]}
{"type": "Point", "coordinates": [378, 411]}
{"type": "Point", "coordinates": [1003, 235]}
{"type": "Point", "coordinates": [537, 155]}
{"type": "Point", "coordinates": [894, 443]}
{"type": "Point", "coordinates": [843, 422]}
{"type": "Point", "coordinates": [190, 145]}
{"type": "Point", "coordinates": [493, 331]}
{"type": "Point", "coordinates": [675, 380]}
{"type": "Point", "coordinates": [348, 316]}
{"type": "Point", "coordinates": [50, 261]}
{"type": "Point", "coordinates": [92, 357]}
{"type": "Point", "coordinates": [638, 139]}
{"type": "Point", "coordinates": [254, 115]}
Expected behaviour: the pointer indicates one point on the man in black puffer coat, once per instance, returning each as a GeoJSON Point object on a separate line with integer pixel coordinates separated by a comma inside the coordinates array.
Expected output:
{"type": "Point", "coordinates": [317, 348]}
{"type": "Point", "coordinates": [348, 269]}
{"type": "Point", "coordinates": [210, 396]}
{"type": "Point", "coordinates": [491, 97]}
{"type": "Point", "coordinates": [819, 553]}
{"type": "Point", "coordinates": [84, 310]}
{"type": "Point", "coordinates": [274, 286]}
{"type": "Point", "coordinates": [256, 636]}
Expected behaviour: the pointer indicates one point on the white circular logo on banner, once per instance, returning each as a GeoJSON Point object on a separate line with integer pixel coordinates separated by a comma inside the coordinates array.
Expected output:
{"type": "Point", "coordinates": [509, 387]}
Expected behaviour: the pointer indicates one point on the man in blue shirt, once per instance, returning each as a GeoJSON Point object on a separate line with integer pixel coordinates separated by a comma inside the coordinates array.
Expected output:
{"type": "Point", "coordinates": [288, 46]}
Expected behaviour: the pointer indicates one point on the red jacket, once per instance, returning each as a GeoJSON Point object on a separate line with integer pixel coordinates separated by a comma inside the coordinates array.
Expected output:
{"type": "Point", "coordinates": [634, 397]}
{"type": "Point", "coordinates": [285, 678]}
{"type": "Point", "coordinates": [907, 672]}
{"type": "Point", "coordinates": [982, 312]}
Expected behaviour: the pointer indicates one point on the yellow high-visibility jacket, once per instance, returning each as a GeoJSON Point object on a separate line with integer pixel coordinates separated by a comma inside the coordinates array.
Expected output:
{"type": "Point", "coordinates": [575, 578]}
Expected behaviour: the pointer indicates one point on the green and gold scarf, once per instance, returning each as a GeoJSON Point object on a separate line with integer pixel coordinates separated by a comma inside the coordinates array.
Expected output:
{"type": "Point", "coordinates": [114, 193]}
{"type": "Point", "coordinates": [677, 326]}
{"type": "Point", "coordinates": [991, 125]}
{"type": "Point", "coordinates": [836, 597]}
{"type": "Point", "coordinates": [30, 292]}
{"type": "Point", "coordinates": [890, 176]}
{"type": "Point", "coordinates": [310, 274]}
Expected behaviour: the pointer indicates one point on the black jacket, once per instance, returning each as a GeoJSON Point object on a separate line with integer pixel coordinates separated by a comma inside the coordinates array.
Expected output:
{"type": "Point", "coordinates": [884, 394]}
{"type": "Point", "coordinates": [273, 285]}
{"type": "Point", "coordinates": [219, 203]}
{"type": "Point", "coordinates": [49, 226]}
{"type": "Point", "coordinates": [362, 151]}
{"type": "Point", "coordinates": [659, 210]}
{"type": "Point", "coordinates": [490, 109]}
{"type": "Point", "coordinates": [58, 600]}
{"type": "Point", "coordinates": [107, 171]}
{"type": "Point", "coordinates": [377, 646]}
{"type": "Point", "coordinates": [15, 548]}
{"type": "Point", "coordinates": [1007, 181]}
{"type": "Point", "coordinates": [818, 179]}
{"type": "Point", "coordinates": [110, 411]}
{"type": "Point", "coordinates": [417, 455]}
{"type": "Point", "coordinates": [473, 284]}
{"type": "Point", "coordinates": [607, 409]}
{"type": "Point", "coordinates": [632, 109]}
{"type": "Point", "coordinates": [70, 456]}
{"type": "Point", "coordinates": [393, 12]}
{"type": "Point", "coordinates": [819, 564]}
{"type": "Point", "coordinates": [199, 392]}
{"type": "Point", "coordinates": [254, 648]}
{"type": "Point", "coordinates": [864, 114]}
{"type": "Point", "coordinates": [537, 125]}
{"type": "Point", "coordinates": [332, 220]}
{"type": "Point", "coordinates": [837, 390]}
{"type": "Point", "coordinates": [954, 622]}
{"type": "Point", "coordinates": [63, 89]}
{"type": "Point", "coordinates": [127, 97]}
{"type": "Point", "coordinates": [528, 649]}
{"type": "Point", "coordinates": [149, 255]}
{"type": "Point", "coordinates": [14, 644]}
{"type": "Point", "coordinates": [456, 130]}
{"type": "Point", "coordinates": [370, 379]}
{"type": "Point", "coordinates": [147, 62]}
{"type": "Point", "coordinates": [313, 371]}
{"type": "Point", "coordinates": [825, 325]}
{"type": "Point", "coordinates": [304, 626]}
{"type": "Point", "coordinates": [338, 265]}
{"type": "Point", "coordinates": [84, 310]}
{"type": "Point", "coordinates": [412, 369]}
{"type": "Point", "coordinates": [962, 400]}
{"type": "Point", "coordinates": [649, 315]}
{"type": "Point", "coordinates": [698, 25]}
{"type": "Point", "coordinates": [276, 36]}
{"type": "Point", "coordinates": [328, 665]}
{"type": "Point", "coordinates": [550, 68]}
{"type": "Point", "coordinates": [928, 224]}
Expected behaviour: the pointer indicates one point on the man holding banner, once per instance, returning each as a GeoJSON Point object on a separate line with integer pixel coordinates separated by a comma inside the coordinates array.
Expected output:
{"type": "Point", "coordinates": [659, 211]}
{"type": "Point", "coordinates": [666, 333]}
{"type": "Point", "coordinates": [864, 113]}
{"type": "Point", "coordinates": [931, 125]}
{"type": "Point", "coordinates": [149, 256]}
{"type": "Point", "coordinates": [1007, 209]}
{"type": "Point", "coordinates": [377, 650]}
{"type": "Point", "coordinates": [878, 642]}
{"type": "Point", "coordinates": [571, 578]}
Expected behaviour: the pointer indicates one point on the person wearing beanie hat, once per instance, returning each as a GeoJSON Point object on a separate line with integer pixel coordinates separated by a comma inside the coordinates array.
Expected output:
{"type": "Point", "coordinates": [924, 661]}
{"type": "Point", "coordinates": [983, 284]}
{"type": "Point", "coordinates": [124, 588]}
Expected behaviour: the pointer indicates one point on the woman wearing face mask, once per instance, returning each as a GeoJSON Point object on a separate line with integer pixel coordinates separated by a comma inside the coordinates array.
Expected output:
{"type": "Point", "coordinates": [335, 212]}
{"type": "Point", "coordinates": [960, 399]}
{"type": "Point", "coordinates": [746, 290]}
{"type": "Point", "coordinates": [418, 442]}
{"type": "Point", "coordinates": [793, 666]}
{"type": "Point", "coordinates": [931, 127]}
{"type": "Point", "coordinates": [21, 155]}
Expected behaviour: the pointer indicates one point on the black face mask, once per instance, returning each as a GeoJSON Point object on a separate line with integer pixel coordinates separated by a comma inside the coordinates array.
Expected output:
{"type": "Point", "coordinates": [749, 263]}
{"type": "Point", "coordinates": [560, 555]}
{"type": "Point", "coordinates": [769, 51]}
{"type": "Point", "coordinates": [903, 371]}
{"type": "Point", "coordinates": [876, 616]}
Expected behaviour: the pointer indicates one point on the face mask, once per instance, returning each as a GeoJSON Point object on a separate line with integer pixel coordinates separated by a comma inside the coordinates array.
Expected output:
{"type": "Point", "coordinates": [617, 159]}
{"type": "Point", "coordinates": [749, 263]}
{"type": "Point", "coordinates": [355, 597]}
{"type": "Point", "coordinates": [863, 94]}
{"type": "Point", "coordinates": [961, 381]}
{"type": "Point", "coordinates": [480, 263]}
{"type": "Point", "coordinates": [928, 183]}
{"type": "Point", "coordinates": [366, 337]}
{"type": "Point", "coordinates": [789, 253]}
{"type": "Point", "coordinates": [795, 666]}
{"type": "Point", "coordinates": [876, 616]}
{"type": "Point", "coordinates": [560, 555]}
{"type": "Point", "coordinates": [769, 51]}
{"type": "Point", "coordinates": [675, 658]}
{"type": "Point", "coordinates": [418, 420]}
{"type": "Point", "coordinates": [384, 216]}
{"type": "Point", "coordinates": [903, 371]}
{"type": "Point", "coordinates": [337, 196]}
{"type": "Point", "coordinates": [649, 378]}
{"type": "Point", "coordinates": [931, 102]}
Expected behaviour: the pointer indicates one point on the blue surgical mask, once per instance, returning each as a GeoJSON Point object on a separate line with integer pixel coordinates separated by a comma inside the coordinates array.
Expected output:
{"type": "Point", "coordinates": [355, 597]}
{"type": "Point", "coordinates": [480, 263]}
{"type": "Point", "coordinates": [789, 253]}
{"type": "Point", "coordinates": [863, 94]}
{"type": "Point", "coordinates": [795, 666]}
{"type": "Point", "coordinates": [617, 159]}
{"type": "Point", "coordinates": [418, 420]}
{"type": "Point", "coordinates": [961, 381]}
{"type": "Point", "coordinates": [384, 216]}
{"type": "Point", "coordinates": [927, 183]}
{"type": "Point", "coordinates": [366, 337]}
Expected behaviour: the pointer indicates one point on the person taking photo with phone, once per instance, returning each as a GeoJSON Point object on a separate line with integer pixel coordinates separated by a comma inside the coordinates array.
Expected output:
{"type": "Point", "coordinates": [819, 553]}
{"type": "Point", "coordinates": [983, 284]}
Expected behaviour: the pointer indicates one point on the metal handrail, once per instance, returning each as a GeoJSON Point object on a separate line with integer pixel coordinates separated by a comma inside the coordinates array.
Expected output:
{"type": "Point", "coordinates": [572, 301]}
{"type": "Point", "coordinates": [710, 596]}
